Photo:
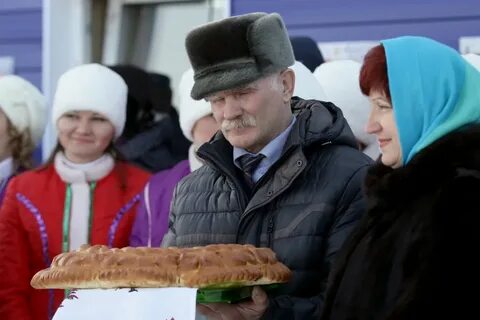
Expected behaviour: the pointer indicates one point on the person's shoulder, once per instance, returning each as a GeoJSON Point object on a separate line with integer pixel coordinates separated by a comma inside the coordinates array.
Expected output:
{"type": "Point", "coordinates": [132, 169]}
{"type": "Point", "coordinates": [171, 175]}
{"type": "Point", "coordinates": [33, 179]}
{"type": "Point", "coordinates": [29, 176]}
{"type": "Point", "coordinates": [180, 169]}
{"type": "Point", "coordinates": [342, 162]}
{"type": "Point", "coordinates": [199, 178]}
{"type": "Point", "coordinates": [342, 155]}
{"type": "Point", "coordinates": [134, 176]}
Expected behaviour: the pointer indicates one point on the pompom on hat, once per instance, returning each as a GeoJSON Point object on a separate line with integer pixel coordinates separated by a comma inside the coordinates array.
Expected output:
{"type": "Point", "coordinates": [92, 87]}
{"type": "Point", "coordinates": [24, 105]}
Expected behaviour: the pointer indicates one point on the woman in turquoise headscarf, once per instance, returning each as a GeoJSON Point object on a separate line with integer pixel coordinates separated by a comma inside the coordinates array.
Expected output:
{"type": "Point", "coordinates": [412, 257]}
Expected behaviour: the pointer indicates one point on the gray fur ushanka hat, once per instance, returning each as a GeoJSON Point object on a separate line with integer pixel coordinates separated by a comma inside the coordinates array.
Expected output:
{"type": "Point", "coordinates": [236, 51]}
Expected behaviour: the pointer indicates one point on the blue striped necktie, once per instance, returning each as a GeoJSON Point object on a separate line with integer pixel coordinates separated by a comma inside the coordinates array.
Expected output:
{"type": "Point", "coordinates": [248, 163]}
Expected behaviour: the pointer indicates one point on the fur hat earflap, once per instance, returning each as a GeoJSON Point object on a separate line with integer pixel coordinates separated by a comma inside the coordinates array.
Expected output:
{"type": "Point", "coordinates": [238, 50]}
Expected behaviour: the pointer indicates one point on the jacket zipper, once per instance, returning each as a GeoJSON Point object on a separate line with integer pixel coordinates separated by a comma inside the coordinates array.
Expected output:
{"type": "Point", "coordinates": [270, 228]}
{"type": "Point", "coordinates": [241, 199]}
{"type": "Point", "coordinates": [245, 214]}
{"type": "Point", "coordinates": [271, 223]}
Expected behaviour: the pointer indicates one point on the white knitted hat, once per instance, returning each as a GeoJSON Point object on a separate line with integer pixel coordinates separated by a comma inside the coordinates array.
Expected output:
{"type": "Point", "coordinates": [340, 81]}
{"type": "Point", "coordinates": [473, 59]}
{"type": "Point", "coordinates": [190, 111]}
{"type": "Point", "coordinates": [306, 85]}
{"type": "Point", "coordinates": [24, 105]}
{"type": "Point", "coordinates": [92, 87]}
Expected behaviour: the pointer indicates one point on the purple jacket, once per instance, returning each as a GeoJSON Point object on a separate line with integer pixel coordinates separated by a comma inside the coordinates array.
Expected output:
{"type": "Point", "coordinates": [151, 222]}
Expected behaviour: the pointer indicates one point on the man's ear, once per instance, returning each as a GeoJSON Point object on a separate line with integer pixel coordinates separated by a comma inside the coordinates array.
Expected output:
{"type": "Point", "coordinates": [288, 83]}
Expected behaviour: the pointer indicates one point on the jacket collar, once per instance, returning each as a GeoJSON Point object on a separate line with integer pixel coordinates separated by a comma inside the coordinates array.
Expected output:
{"type": "Point", "coordinates": [317, 123]}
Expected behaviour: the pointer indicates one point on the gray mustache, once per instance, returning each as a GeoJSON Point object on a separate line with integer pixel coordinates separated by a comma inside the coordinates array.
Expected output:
{"type": "Point", "coordinates": [244, 122]}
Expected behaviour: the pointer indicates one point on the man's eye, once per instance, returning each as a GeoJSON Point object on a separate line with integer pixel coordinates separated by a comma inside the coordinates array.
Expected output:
{"type": "Point", "coordinates": [216, 100]}
{"type": "Point", "coordinates": [244, 92]}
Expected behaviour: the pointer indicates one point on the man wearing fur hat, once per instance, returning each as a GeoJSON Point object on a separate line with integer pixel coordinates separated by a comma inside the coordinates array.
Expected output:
{"type": "Point", "coordinates": [282, 173]}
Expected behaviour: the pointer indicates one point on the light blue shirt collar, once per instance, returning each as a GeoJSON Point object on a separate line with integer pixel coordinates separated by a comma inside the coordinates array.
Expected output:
{"type": "Point", "coordinates": [272, 152]}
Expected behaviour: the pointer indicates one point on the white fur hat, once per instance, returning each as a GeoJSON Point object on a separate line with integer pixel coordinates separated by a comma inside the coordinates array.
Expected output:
{"type": "Point", "coordinates": [473, 59]}
{"type": "Point", "coordinates": [306, 85]}
{"type": "Point", "coordinates": [190, 111]}
{"type": "Point", "coordinates": [92, 87]}
{"type": "Point", "coordinates": [24, 105]}
{"type": "Point", "coordinates": [340, 81]}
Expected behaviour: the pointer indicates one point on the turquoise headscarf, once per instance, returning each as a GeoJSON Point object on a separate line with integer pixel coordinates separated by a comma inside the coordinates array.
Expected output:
{"type": "Point", "coordinates": [433, 89]}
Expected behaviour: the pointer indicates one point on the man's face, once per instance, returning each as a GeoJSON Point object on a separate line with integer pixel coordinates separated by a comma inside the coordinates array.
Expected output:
{"type": "Point", "coordinates": [251, 116]}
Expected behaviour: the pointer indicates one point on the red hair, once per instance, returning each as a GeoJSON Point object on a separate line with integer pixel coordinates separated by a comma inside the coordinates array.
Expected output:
{"type": "Point", "coordinates": [373, 74]}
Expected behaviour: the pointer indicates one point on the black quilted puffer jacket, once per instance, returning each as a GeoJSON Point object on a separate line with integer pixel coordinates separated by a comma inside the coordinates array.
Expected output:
{"type": "Point", "coordinates": [303, 208]}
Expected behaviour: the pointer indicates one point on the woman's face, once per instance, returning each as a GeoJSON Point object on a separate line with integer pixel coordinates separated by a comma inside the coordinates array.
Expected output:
{"type": "Point", "coordinates": [381, 123]}
{"type": "Point", "coordinates": [84, 135]}
{"type": "Point", "coordinates": [5, 151]}
{"type": "Point", "coordinates": [204, 129]}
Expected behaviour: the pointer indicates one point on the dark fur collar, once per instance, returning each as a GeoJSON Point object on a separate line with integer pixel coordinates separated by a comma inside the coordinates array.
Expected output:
{"type": "Point", "coordinates": [455, 154]}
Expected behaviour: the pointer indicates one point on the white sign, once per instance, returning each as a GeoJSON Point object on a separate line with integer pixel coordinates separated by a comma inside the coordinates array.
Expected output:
{"type": "Point", "coordinates": [353, 50]}
{"type": "Point", "coordinates": [7, 65]}
{"type": "Point", "coordinates": [469, 45]}
{"type": "Point", "coordinates": [129, 304]}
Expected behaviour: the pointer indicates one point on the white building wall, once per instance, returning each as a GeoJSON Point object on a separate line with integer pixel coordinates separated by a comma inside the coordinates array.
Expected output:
{"type": "Point", "coordinates": [66, 43]}
{"type": "Point", "coordinates": [172, 23]}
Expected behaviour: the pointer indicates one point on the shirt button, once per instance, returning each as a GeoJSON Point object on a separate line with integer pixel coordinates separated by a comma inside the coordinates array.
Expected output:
{"type": "Point", "coordinates": [299, 163]}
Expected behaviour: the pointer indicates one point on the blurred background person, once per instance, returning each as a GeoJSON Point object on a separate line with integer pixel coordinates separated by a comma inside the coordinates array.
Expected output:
{"type": "Point", "coordinates": [23, 116]}
{"type": "Point", "coordinates": [339, 81]}
{"type": "Point", "coordinates": [306, 85]}
{"type": "Point", "coordinates": [306, 51]}
{"type": "Point", "coordinates": [199, 126]}
{"type": "Point", "coordinates": [84, 194]}
{"type": "Point", "coordinates": [413, 254]}
{"type": "Point", "coordinates": [152, 138]}
{"type": "Point", "coordinates": [160, 94]}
